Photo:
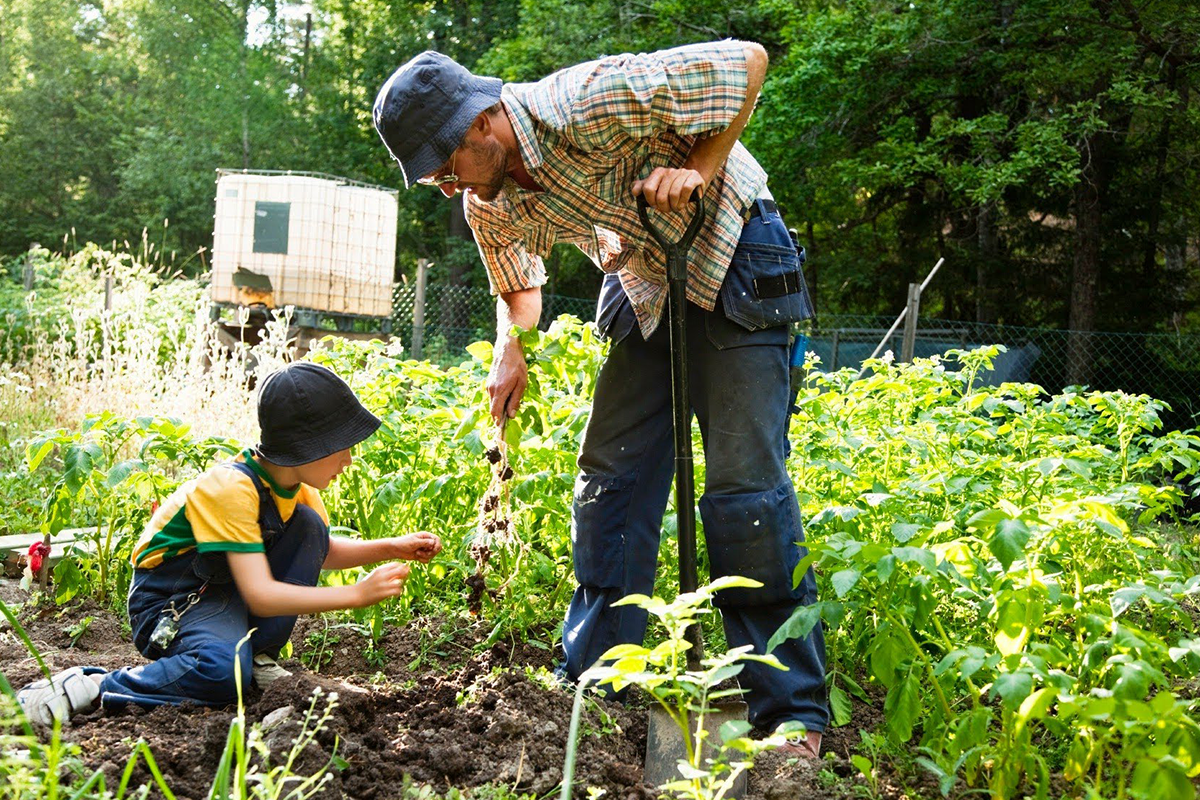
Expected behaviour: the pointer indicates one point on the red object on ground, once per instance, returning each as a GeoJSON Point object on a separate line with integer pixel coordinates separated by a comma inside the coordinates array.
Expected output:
{"type": "Point", "coordinates": [37, 552]}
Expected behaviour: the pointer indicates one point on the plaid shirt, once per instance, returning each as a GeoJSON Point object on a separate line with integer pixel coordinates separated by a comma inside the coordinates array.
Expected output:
{"type": "Point", "coordinates": [586, 133]}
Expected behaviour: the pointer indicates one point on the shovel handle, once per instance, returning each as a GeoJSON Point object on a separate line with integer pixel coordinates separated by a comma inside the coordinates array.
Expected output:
{"type": "Point", "coordinates": [676, 249]}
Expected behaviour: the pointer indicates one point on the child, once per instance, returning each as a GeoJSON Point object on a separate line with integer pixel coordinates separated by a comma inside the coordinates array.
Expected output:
{"type": "Point", "coordinates": [241, 547]}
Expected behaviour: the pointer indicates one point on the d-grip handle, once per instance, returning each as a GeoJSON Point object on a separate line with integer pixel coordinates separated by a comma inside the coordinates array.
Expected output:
{"type": "Point", "coordinates": [689, 235]}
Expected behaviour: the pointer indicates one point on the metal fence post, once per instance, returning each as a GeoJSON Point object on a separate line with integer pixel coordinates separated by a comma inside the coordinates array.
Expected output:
{"type": "Point", "coordinates": [910, 325]}
{"type": "Point", "coordinates": [418, 335]}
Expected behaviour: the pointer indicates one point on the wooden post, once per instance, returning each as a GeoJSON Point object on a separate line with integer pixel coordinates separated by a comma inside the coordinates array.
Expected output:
{"type": "Point", "coordinates": [418, 334]}
{"type": "Point", "coordinates": [910, 324]}
{"type": "Point", "coordinates": [108, 292]}
{"type": "Point", "coordinates": [44, 573]}
{"type": "Point", "coordinates": [837, 336]}
{"type": "Point", "coordinates": [28, 277]}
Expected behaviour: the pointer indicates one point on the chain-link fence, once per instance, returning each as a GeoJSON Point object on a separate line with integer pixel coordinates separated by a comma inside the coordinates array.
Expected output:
{"type": "Point", "coordinates": [1165, 366]}
{"type": "Point", "coordinates": [455, 316]}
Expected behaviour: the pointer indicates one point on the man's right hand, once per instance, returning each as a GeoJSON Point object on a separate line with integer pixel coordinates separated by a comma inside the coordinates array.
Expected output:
{"type": "Point", "coordinates": [507, 380]}
{"type": "Point", "coordinates": [383, 582]}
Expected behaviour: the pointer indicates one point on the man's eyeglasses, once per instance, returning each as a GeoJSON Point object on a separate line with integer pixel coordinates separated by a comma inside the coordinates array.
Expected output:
{"type": "Point", "coordinates": [441, 180]}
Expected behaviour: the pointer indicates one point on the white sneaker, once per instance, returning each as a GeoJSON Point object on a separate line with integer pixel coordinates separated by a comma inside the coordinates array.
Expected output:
{"type": "Point", "coordinates": [61, 697]}
{"type": "Point", "coordinates": [267, 670]}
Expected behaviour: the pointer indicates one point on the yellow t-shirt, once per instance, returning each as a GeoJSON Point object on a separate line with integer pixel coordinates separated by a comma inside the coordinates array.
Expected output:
{"type": "Point", "coordinates": [218, 511]}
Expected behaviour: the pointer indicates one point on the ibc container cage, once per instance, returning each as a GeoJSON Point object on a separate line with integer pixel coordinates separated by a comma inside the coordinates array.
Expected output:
{"type": "Point", "coordinates": [317, 242]}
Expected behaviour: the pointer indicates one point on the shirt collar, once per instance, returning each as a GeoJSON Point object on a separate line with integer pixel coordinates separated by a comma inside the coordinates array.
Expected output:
{"type": "Point", "coordinates": [522, 125]}
{"type": "Point", "coordinates": [286, 494]}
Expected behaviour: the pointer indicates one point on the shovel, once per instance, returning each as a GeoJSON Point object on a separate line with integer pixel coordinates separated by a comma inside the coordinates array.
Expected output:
{"type": "Point", "coordinates": [664, 744]}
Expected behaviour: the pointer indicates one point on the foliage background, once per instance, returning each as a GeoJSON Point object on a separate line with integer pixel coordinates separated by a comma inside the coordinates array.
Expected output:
{"type": "Point", "coordinates": [1048, 149]}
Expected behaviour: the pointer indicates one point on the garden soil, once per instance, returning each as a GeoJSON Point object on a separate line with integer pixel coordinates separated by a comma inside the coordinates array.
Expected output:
{"type": "Point", "coordinates": [421, 707]}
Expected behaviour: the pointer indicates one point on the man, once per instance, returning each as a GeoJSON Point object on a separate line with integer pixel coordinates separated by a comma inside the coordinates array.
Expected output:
{"type": "Point", "coordinates": [563, 160]}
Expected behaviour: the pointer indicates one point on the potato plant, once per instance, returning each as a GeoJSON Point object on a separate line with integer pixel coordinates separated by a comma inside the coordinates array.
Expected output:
{"type": "Point", "coordinates": [990, 557]}
{"type": "Point", "coordinates": [1011, 572]}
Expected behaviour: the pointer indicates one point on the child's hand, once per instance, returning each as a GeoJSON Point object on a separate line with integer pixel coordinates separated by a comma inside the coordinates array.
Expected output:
{"type": "Point", "coordinates": [382, 582]}
{"type": "Point", "coordinates": [418, 546]}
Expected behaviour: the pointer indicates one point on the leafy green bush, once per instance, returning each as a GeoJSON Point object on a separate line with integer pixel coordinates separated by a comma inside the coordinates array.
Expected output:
{"type": "Point", "coordinates": [989, 556]}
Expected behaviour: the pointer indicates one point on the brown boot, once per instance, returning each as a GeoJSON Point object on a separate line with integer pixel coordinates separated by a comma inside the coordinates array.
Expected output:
{"type": "Point", "coordinates": [808, 747]}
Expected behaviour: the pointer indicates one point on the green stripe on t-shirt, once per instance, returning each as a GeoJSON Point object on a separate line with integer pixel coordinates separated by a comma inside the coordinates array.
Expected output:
{"type": "Point", "coordinates": [174, 536]}
{"type": "Point", "coordinates": [231, 547]}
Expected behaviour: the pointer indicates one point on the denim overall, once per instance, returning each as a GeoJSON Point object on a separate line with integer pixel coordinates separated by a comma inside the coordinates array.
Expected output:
{"type": "Point", "coordinates": [198, 665]}
{"type": "Point", "coordinates": [739, 376]}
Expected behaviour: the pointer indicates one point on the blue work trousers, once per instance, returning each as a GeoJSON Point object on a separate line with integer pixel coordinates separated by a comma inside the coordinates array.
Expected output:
{"type": "Point", "coordinates": [198, 665]}
{"type": "Point", "coordinates": [739, 381]}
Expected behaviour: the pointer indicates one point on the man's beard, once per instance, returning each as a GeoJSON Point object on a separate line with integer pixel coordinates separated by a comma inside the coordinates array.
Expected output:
{"type": "Point", "coordinates": [490, 157]}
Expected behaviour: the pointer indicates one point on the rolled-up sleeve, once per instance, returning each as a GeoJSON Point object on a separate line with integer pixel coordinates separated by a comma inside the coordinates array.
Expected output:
{"type": "Point", "coordinates": [695, 90]}
{"type": "Point", "coordinates": [509, 264]}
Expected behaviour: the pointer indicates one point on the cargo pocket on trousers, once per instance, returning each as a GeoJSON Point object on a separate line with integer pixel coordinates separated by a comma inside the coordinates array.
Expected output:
{"type": "Point", "coordinates": [754, 536]}
{"type": "Point", "coordinates": [764, 287]}
{"type": "Point", "coordinates": [598, 529]}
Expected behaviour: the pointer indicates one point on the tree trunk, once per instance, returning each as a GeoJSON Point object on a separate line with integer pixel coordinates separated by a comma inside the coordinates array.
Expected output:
{"type": "Point", "coordinates": [244, 83]}
{"type": "Point", "coordinates": [1084, 279]}
{"type": "Point", "coordinates": [985, 232]}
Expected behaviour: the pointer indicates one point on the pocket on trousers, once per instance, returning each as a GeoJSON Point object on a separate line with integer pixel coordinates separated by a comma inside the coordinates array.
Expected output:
{"type": "Point", "coordinates": [754, 536]}
{"type": "Point", "coordinates": [601, 508]}
{"type": "Point", "coordinates": [725, 334]}
{"type": "Point", "coordinates": [213, 568]}
{"type": "Point", "coordinates": [614, 313]}
{"type": "Point", "coordinates": [765, 287]}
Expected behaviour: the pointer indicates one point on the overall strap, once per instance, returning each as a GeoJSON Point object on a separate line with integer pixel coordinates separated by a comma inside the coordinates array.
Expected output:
{"type": "Point", "coordinates": [269, 520]}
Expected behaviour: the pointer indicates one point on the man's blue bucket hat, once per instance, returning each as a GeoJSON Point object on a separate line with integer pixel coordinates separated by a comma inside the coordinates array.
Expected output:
{"type": "Point", "coordinates": [423, 111]}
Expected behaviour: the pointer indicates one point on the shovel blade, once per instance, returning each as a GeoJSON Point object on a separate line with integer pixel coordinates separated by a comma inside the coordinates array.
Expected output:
{"type": "Point", "coordinates": [665, 746]}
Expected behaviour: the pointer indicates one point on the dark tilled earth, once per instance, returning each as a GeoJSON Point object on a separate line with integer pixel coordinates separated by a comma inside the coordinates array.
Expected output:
{"type": "Point", "coordinates": [422, 707]}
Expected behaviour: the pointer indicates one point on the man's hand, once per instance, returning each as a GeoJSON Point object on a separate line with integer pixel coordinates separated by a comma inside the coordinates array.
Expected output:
{"type": "Point", "coordinates": [668, 189]}
{"type": "Point", "coordinates": [421, 546]}
{"type": "Point", "coordinates": [507, 381]}
{"type": "Point", "coordinates": [382, 582]}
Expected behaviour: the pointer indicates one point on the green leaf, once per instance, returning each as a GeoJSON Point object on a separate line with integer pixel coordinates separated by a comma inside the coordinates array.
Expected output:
{"type": "Point", "coordinates": [78, 461]}
{"type": "Point", "coordinates": [1008, 542]}
{"type": "Point", "coordinates": [734, 729]}
{"type": "Point", "coordinates": [117, 475]}
{"type": "Point", "coordinates": [798, 625]}
{"type": "Point", "coordinates": [733, 582]}
{"type": "Point", "coordinates": [1133, 681]}
{"type": "Point", "coordinates": [513, 432]}
{"type": "Point", "coordinates": [37, 452]}
{"type": "Point", "coordinates": [885, 567]}
{"type": "Point", "coordinates": [840, 706]}
{"type": "Point", "coordinates": [887, 655]}
{"type": "Point", "coordinates": [987, 519]}
{"type": "Point", "coordinates": [902, 707]}
{"type": "Point", "coordinates": [917, 555]}
{"type": "Point", "coordinates": [68, 580]}
{"type": "Point", "coordinates": [689, 772]}
{"type": "Point", "coordinates": [1078, 466]}
{"type": "Point", "coordinates": [1122, 599]}
{"type": "Point", "coordinates": [1013, 688]}
{"type": "Point", "coordinates": [843, 581]}
{"type": "Point", "coordinates": [1035, 707]}
{"type": "Point", "coordinates": [1161, 781]}
{"type": "Point", "coordinates": [1013, 623]}
{"type": "Point", "coordinates": [904, 531]}
{"type": "Point", "coordinates": [481, 351]}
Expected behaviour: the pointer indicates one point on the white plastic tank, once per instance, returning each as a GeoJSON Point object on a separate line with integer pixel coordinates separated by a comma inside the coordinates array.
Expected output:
{"type": "Point", "coordinates": [322, 242]}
